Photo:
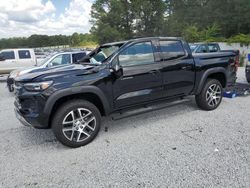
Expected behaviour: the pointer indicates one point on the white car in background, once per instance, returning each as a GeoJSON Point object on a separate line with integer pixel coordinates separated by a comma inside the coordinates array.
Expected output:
{"type": "Point", "coordinates": [11, 59]}
{"type": "Point", "coordinates": [53, 60]}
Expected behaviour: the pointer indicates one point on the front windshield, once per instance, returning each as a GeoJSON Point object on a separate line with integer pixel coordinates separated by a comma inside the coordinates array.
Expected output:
{"type": "Point", "coordinates": [192, 47]}
{"type": "Point", "coordinates": [42, 62]}
{"type": "Point", "coordinates": [104, 53]}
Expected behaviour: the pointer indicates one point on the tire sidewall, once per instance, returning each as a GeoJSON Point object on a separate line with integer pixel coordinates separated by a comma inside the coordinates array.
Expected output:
{"type": "Point", "coordinates": [57, 125]}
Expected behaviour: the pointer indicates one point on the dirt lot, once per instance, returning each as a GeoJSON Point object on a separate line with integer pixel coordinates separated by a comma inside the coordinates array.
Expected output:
{"type": "Point", "coordinates": [180, 146]}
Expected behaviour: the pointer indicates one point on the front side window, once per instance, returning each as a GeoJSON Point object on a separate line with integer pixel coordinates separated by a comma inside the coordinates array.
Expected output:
{"type": "Point", "coordinates": [24, 54]}
{"type": "Point", "coordinates": [60, 60]}
{"type": "Point", "coordinates": [171, 50]}
{"type": "Point", "coordinates": [137, 54]}
{"type": "Point", "coordinates": [8, 55]}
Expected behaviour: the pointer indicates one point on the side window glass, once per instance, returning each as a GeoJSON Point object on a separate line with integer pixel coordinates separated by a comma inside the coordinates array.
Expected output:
{"type": "Point", "coordinates": [171, 50]}
{"type": "Point", "coordinates": [24, 54]}
{"type": "Point", "coordinates": [60, 60]}
{"type": "Point", "coordinates": [202, 49]}
{"type": "Point", "coordinates": [137, 54]}
{"type": "Point", "coordinates": [78, 56]}
{"type": "Point", "coordinates": [8, 55]}
{"type": "Point", "coordinates": [213, 48]}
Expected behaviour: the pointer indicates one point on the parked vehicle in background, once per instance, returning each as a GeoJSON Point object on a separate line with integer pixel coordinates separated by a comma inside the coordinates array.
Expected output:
{"type": "Point", "coordinates": [11, 59]}
{"type": "Point", "coordinates": [53, 60]}
{"type": "Point", "coordinates": [247, 70]}
{"type": "Point", "coordinates": [71, 99]}
{"type": "Point", "coordinates": [204, 47]}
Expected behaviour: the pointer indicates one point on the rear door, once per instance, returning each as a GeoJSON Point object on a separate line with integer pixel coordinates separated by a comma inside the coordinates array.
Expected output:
{"type": "Point", "coordinates": [25, 58]}
{"type": "Point", "coordinates": [141, 80]}
{"type": "Point", "coordinates": [177, 68]}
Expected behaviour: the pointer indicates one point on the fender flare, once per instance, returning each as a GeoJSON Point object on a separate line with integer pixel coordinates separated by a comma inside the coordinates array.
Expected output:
{"type": "Point", "coordinates": [76, 90]}
{"type": "Point", "coordinates": [207, 73]}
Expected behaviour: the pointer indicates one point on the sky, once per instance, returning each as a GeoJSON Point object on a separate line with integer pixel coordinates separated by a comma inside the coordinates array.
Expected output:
{"type": "Point", "coordinates": [22, 18]}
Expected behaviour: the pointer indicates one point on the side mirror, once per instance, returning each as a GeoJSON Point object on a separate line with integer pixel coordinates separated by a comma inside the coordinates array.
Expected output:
{"type": "Point", "coordinates": [117, 71]}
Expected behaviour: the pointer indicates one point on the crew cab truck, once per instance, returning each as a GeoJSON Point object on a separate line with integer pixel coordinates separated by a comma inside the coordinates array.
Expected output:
{"type": "Point", "coordinates": [71, 99]}
{"type": "Point", "coordinates": [11, 59]}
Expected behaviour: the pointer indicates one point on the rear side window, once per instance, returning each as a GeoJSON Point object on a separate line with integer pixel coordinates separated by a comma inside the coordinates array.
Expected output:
{"type": "Point", "coordinates": [213, 48]}
{"type": "Point", "coordinates": [171, 50]}
{"type": "Point", "coordinates": [78, 56]}
{"type": "Point", "coordinates": [8, 54]}
{"type": "Point", "coordinates": [24, 54]}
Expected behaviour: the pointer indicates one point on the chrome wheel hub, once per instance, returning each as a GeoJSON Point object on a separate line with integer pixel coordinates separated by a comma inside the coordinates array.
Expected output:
{"type": "Point", "coordinates": [79, 124]}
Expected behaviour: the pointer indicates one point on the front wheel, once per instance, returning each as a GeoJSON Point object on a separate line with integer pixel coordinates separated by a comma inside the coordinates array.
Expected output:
{"type": "Point", "coordinates": [76, 123]}
{"type": "Point", "coordinates": [210, 96]}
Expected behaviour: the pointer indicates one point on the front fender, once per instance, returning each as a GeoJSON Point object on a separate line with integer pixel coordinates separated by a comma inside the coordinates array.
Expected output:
{"type": "Point", "coordinates": [76, 90]}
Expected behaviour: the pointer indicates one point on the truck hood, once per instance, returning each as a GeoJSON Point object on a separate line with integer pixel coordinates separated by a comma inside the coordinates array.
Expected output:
{"type": "Point", "coordinates": [59, 70]}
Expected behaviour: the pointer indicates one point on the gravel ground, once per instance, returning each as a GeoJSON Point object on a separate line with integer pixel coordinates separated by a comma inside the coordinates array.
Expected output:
{"type": "Point", "coordinates": [180, 146]}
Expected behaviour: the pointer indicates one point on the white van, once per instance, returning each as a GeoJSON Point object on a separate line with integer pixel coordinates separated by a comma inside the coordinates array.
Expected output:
{"type": "Point", "coordinates": [11, 59]}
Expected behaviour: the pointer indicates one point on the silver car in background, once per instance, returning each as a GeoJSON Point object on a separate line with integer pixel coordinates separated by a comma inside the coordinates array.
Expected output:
{"type": "Point", "coordinates": [53, 60]}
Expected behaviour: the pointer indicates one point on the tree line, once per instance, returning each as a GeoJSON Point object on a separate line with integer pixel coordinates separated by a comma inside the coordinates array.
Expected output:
{"type": "Point", "coordinates": [34, 41]}
{"type": "Point", "coordinates": [194, 20]}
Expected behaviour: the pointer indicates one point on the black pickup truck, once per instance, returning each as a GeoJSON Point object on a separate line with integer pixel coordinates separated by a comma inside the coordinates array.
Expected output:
{"type": "Point", "coordinates": [119, 76]}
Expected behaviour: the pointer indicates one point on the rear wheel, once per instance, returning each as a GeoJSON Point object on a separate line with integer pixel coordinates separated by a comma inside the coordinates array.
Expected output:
{"type": "Point", "coordinates": [76, 123]}
{"type": "Point", "coordinates": [210, 96]}
{"type": "Point", "coordinates": [248, 80]}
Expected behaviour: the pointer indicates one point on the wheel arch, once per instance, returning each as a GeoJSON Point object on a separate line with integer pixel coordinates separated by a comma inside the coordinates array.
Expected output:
{"type": "Point", "coordinates": [217, 73]}
{"type": "Point", "coordinates": [89, 93]}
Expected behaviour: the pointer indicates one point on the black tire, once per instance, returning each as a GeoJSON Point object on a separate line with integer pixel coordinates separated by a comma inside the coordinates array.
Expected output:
{"type": "Point", "coordinates": [10, 87]}
{"type": "Point", "coordinates": [70, 111]}
{"type": "Point", "coordinates": [248, 80]}
{"type": "Point", "coordinates": [209, 99]}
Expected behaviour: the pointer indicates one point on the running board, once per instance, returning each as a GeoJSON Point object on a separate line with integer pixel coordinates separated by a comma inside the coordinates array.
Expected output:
{"type": "Point", "coordinates": [146, 109]}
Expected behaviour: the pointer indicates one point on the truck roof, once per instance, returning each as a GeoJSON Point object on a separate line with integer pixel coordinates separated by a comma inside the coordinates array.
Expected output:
{"type": "Point", "coordinates": [140, 39]}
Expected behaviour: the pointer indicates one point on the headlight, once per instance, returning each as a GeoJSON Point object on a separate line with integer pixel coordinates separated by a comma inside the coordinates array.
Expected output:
{"type": "Point", "coordinates": [38, 86]}
{"type": "Point", "coordinates": [14, 74]}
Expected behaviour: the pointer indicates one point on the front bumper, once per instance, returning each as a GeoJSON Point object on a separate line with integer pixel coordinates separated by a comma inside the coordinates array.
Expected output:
{"type": "Point", "coordinates": [28, 118]}
{"type": "Point", "coordinates": [21, 118]}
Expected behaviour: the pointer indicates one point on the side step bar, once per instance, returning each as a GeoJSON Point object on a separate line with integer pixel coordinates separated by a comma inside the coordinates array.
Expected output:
{"type": "Point", "coordinates": [145, 109]}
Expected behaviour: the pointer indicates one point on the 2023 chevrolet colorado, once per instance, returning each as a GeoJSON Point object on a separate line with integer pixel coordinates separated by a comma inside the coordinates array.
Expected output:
{"type": "Point", "coordinates": [71, 99]}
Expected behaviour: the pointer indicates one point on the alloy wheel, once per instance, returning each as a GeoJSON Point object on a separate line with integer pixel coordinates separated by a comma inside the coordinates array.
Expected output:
{"type": "Point", "coordinates": [79, 124]}
{"type": "Point", "coordinates": [213, 95]}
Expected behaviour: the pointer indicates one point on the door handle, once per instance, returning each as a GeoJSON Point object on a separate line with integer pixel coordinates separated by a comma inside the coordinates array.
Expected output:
{"type": "Point", "coordinates": [153, 72]}
{"type": "Point", "coordinates": [186, 67]}
{"type": "Point", "coordinates": [127, 78]}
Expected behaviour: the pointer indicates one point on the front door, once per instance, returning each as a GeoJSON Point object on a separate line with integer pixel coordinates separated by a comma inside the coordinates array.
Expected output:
{"type": "Point", "coordinates": [141, 80]}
